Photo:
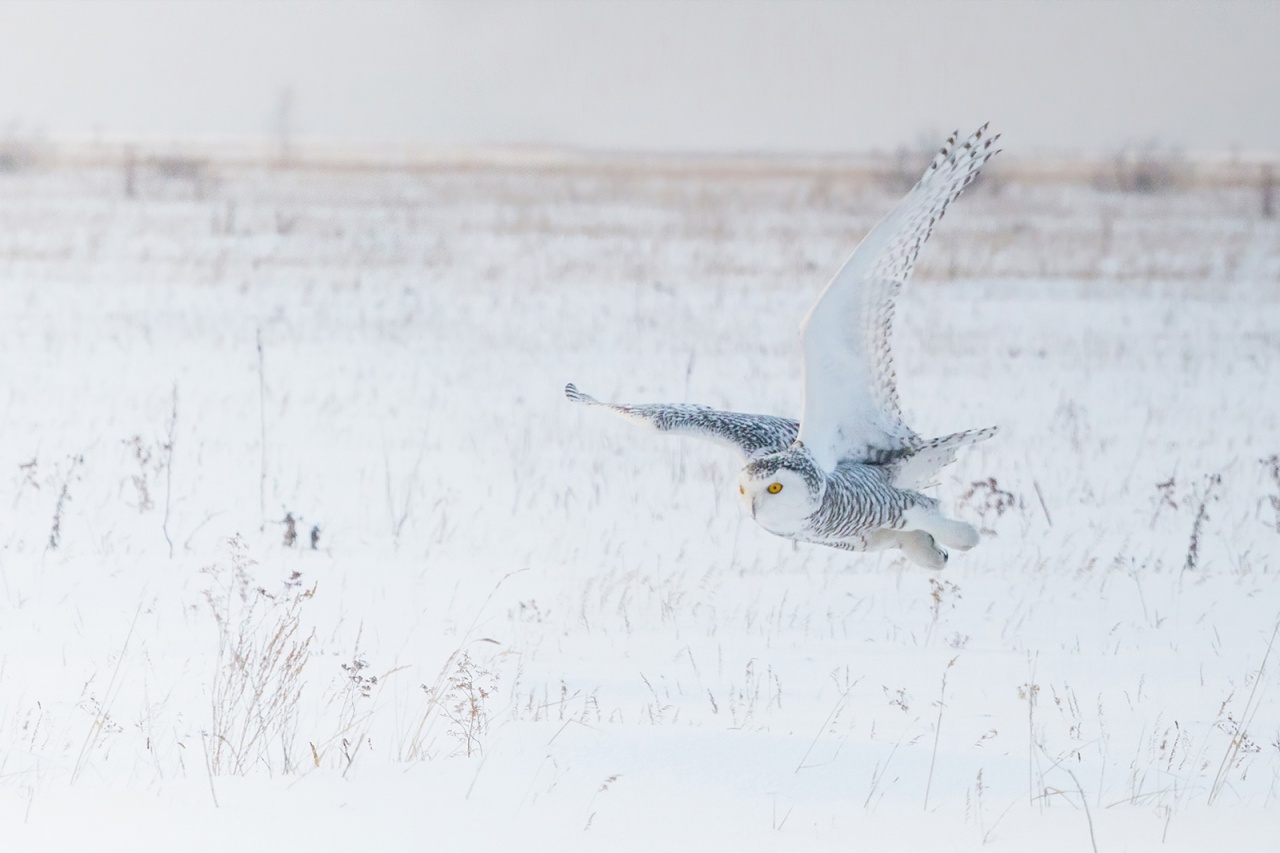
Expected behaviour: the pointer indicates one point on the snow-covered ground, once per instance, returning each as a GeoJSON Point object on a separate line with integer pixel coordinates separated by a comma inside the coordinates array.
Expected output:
{"type": "Point", "coordinates": [527, 625]}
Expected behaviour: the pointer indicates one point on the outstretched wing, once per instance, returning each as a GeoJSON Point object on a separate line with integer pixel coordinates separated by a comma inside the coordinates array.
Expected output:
{"type": "Point", "coordinates": [850, 400]}
{"type": "Point", "coordinates": [750, 435]}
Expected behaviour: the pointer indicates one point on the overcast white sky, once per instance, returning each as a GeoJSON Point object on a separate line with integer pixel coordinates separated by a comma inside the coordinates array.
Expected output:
{"type": "Point", "coordinates": [733, 76]}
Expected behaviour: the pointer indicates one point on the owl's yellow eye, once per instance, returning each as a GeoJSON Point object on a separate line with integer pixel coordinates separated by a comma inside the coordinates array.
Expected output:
{"type": "Point", "coordinates": [742, 490]}
{"type": "Point", "coordinates": [774, 488]}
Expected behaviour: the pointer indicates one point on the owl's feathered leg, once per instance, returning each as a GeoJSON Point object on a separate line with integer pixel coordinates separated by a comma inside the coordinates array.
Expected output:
{"type": "Point", "coordinates": [877, 540]}
{"type": "Point", "coordinates": [916, 545]}
{"type": "Point", "coordinates": [950, 532]}
{"type": "Point", "coordinates": [920, 548]}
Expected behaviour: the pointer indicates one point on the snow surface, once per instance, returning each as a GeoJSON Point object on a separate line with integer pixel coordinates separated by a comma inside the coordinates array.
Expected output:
{"type": "Point", "coordinates": [525, 625]}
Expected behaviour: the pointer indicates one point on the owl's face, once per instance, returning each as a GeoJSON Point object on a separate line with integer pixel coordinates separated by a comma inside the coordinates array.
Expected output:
{"type": "Point", "coordinates": [777, 495]}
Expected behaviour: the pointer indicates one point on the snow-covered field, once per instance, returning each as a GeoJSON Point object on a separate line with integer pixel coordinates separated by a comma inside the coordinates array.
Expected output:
{"type": "Point", "coordinates": [526, 625]}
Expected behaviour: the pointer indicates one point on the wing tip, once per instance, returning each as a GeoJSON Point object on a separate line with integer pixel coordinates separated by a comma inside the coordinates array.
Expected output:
{"type": "Point", "coordinates": [966, 157]}
{"type": "Point", "coordinates": [575, 396]}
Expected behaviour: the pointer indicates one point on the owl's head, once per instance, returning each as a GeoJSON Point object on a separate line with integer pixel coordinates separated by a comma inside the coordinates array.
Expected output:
{"type": "Point", "coordinates": [781, 490]}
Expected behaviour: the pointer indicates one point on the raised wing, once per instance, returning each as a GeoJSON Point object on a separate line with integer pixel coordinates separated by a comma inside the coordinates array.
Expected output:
{"type": "Point", "coordinates": [850, 399]}
{"type": "Point", "coordinates": [750, 435]}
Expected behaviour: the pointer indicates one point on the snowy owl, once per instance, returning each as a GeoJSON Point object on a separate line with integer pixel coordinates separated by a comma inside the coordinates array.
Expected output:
{"type": "Point", "coordinates": [846, 474]}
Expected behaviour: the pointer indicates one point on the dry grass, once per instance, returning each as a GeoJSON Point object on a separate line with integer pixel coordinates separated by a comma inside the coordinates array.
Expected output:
{"type": "Point", "coordinates": [257, 683]}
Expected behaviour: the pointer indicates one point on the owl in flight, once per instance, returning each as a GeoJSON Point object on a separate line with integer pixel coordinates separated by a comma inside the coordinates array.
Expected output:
{"type": "Point", "coordinates": [846, 474]}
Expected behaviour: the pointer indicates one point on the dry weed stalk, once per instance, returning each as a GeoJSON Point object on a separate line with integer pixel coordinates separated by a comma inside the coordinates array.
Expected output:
{"type": "Point", "coordinates": [167, 449]}
{"type": "Point", "coordinates": [152, 461]}
{"type": "Point", "coordinates": [64, 495]}
{"type": "Point", "coordinates": [439, 692]}
{"type": "Point", "coordinates": [1029, 693]}
{"type": "Point", "coordinates": [262, 652]}
{"type": "Point", "coordinates": [142, 456]}
{"type": "Point", "coordinates": [1240, 740]}
{"type": "Point", "coordinates": [941, 592]}
{"type": "Point", "coordinates": [102, 710]}
{"type": "Point", "coordinates": [459, 695]}
{"type": "Point", "coordinates": [1084, 801]}
{"type": "Point", "coordinates": [937, 730]}
{"type": "Point", "coordinates": [469, 686]}
{"type": "Point", "coordinates": [358, 704]}
{"type": "Point", "coordinates": [1202, 515]}
{"type": "Point", "coordinates": [990, 502]}
{"type": "Point", "coordinates": [1165, 497]}
{"type": "Point", "coordinates": [399, 514]}
{"type": "Point", "coordinates": [1272, 465]}
{"type": "Point", "coordinates": [28, 478]}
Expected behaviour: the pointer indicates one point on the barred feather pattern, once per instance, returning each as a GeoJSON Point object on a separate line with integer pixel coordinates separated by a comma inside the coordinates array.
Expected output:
{"type": "Point", "coordinates": [918, 467]}
{"type": "Point", "coordinates": [852, 502]}
{"type": "Point", "coordinates": [851, 406]}
{"type": "Point", "coordinates": [794, 458]}
{"type": "Point", "coordinates": [751, 436]}
{"type": "Point", "coordinates": [859, 499]}
{"type": "Point", "coordinates": [952, 169]}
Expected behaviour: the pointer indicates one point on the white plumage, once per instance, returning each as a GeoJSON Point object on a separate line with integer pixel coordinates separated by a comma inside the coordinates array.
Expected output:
{"type": "Point", "coordinates": [846, 474]}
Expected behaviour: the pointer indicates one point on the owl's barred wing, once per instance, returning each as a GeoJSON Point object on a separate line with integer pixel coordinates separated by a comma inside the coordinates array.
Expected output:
{"type": "Point", "coordinates": [750, 435]}
{"type": "Point", "coordinates": [850, 399]}
{"type": "Point", "coordinates": [918, 467]}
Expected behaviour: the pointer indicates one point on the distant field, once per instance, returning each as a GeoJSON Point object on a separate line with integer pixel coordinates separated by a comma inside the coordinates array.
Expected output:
{"type": "Point", "coordinates": [521, 623]}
